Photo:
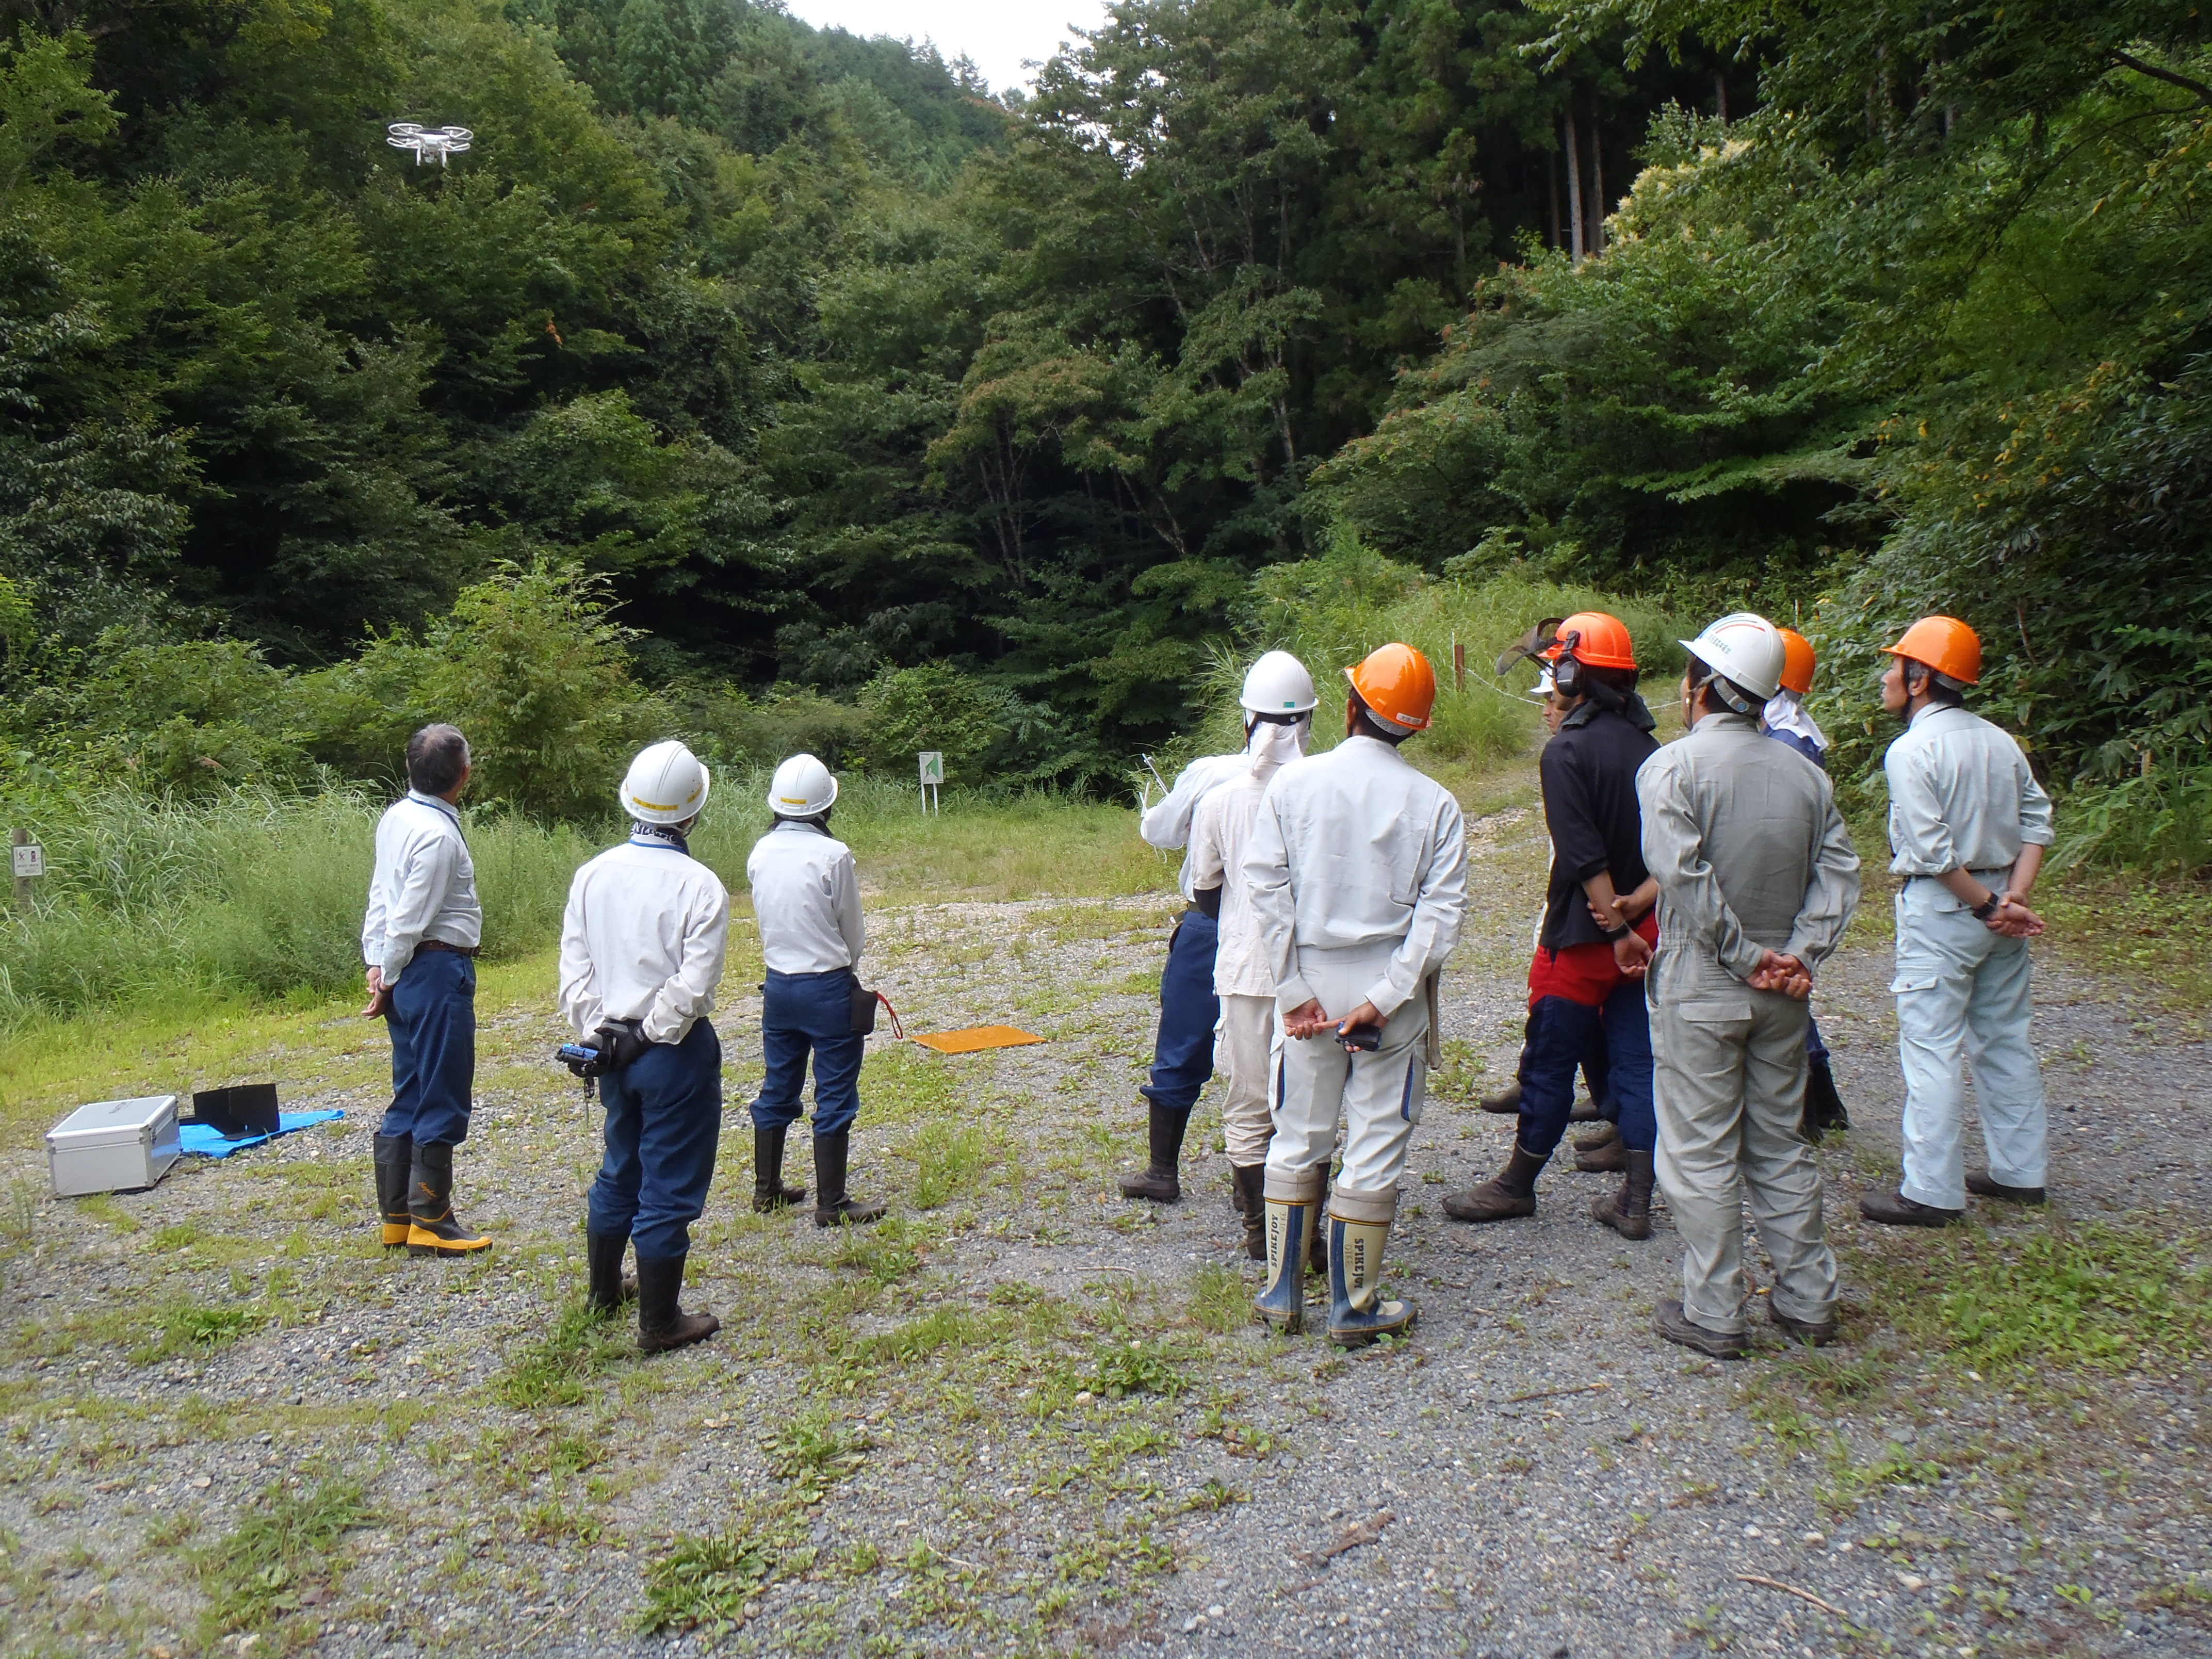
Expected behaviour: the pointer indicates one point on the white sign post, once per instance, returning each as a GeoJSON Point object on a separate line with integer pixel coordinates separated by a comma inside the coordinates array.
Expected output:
{"type": "Point", "coordinates": [932, 781]}
{"type": "Point", "coordinates": [30, 859]}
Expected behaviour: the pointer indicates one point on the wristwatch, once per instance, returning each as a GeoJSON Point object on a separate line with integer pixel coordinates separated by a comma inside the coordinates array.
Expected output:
{"type": "Point", "coordinates": [1988, 907]}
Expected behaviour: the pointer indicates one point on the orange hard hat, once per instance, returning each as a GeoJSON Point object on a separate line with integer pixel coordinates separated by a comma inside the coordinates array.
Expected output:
{"type": "Point", "coordinates": [1797, 661]}
{"type": "Point", "coordinates": [1944, 644]}
{"type": "Point", "coordinates": [1596, 640]}
{"type": "Point", "coordinates": [1396, 682]}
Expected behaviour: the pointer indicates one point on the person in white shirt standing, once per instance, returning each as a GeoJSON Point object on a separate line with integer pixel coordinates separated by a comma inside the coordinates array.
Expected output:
{"type": "Point", "coordinates": [1183, 1048]}
{"type": "Point", "coordinates": [806, 896]}
{"type": "Point", "coordinates": [419, 942]}
{"type": "Point", "coordinates": [642, 944]}
{"type": "Point", "coordinates": [1358, 872]}
{"type": "Point", "coordinates": [1968, 825]}
{"type": "Point", "coordinates": [1278, 700]}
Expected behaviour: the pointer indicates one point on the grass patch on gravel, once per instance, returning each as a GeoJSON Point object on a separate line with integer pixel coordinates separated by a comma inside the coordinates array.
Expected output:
{"type": "Point", "coordinates": [556, 1370]}
{"type": "Point", "coordinates": [705, 1583]}
{"type": "Point", "coordinates": [2049, 1293]}
{"type": "Point", "coordinates": [286, 1549]}
{"type": "Point", "coordinates": [196, 1327]}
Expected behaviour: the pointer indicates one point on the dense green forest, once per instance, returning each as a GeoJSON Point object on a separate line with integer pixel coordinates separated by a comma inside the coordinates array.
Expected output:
{"type": "Point", "coordinates": [778, 385]}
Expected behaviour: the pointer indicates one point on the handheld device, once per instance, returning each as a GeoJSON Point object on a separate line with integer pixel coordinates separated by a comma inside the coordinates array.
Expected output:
{"type": "Point", "coordinates": [576, 1053]}
{"type": "Point", "coordinates": [1365, 1039]}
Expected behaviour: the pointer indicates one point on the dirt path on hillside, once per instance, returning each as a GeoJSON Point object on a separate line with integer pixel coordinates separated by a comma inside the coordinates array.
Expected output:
{"type": "Point", "coordinates": [1025, 1417]}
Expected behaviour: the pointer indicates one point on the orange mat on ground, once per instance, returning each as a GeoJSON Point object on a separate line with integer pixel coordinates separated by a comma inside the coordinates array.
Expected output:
{"type": "Point", "coordinates": [975, 1037]}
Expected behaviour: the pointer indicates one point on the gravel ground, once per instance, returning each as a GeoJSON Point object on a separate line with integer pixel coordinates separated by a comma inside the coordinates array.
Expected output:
{"type": "Point", "coordinates": [1023, 1416]}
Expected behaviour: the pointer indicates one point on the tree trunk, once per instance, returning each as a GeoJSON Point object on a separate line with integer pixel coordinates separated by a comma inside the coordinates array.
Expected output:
{"type": "Point", "coordinates": [1720, 96]}
{"type": "Point", "coordinates": [1597, 171]}
{"type": "Point", "coordinates": [1552, 187]}
{"type": "Point", "coordinates": [1574, 189]}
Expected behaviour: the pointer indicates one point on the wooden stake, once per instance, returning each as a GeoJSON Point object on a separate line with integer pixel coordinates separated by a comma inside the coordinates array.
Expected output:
{"type": "Point", "coordinates": [21, 838]}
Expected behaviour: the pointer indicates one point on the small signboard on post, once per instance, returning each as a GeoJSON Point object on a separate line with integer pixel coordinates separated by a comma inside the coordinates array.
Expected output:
{"type": "Point", "coordinates": [932, 780]}
{"type": "Point", "coordinates": [30, 859]}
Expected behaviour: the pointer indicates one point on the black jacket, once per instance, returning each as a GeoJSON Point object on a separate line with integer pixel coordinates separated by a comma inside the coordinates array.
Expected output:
{"type": "Point", "coordinates": [1590, 806]}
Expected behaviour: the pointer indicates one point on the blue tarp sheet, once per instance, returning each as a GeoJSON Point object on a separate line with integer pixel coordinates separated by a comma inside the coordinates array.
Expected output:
{"type": "Point", "coordinates": [202, 1141]}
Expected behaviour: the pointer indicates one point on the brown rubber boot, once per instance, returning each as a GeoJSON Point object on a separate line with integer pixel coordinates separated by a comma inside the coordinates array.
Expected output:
{"type": "Point", "coordinates": [1250, 1182]}
{"type": "Point", "coordinates": [1506, 1102]}
{"type": "Point", "coordinates": [1510, 1193]}
{"type": "Point", "coordinates": [1604, 1135]}
{"type": "Point", "coordinates": [1628, 1212]}
{"type": "Point", "coordinates": [1814, 1334]}
{"type": "Point", "coordinates": [1612, 1159]}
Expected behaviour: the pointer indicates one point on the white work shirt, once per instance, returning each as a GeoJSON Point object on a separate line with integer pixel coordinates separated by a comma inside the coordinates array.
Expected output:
{"type": "Point", "coordinates": [1166, 822]}
{"type": "Point", "coordinates": [1220, 833]}
{"type": "Point", "coordinates": [644, 937]}
{"type": "Point", "coordinates": [424, 886]}
{"type": "Point", "coordinates": [1961, 796]}
{"type": "Point", "coordinates": [1358, 849]}
{"type": "Point", "coordinates": [806, 897]}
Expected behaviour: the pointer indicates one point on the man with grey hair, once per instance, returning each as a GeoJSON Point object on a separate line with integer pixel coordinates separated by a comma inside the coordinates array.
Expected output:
{"type": "Point", "coordinates": [419, 941]}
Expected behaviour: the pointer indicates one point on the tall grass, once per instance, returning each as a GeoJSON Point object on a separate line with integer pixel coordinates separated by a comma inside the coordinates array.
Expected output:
{"type": "Point", "coordinates": [260, 893]}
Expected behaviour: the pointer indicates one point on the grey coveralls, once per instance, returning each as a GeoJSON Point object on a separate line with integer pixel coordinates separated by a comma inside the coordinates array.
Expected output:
{"type": "Point", "coordinates": [1743, 836]}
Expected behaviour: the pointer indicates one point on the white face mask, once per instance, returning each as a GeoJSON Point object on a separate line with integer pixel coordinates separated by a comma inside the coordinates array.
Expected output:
{"type": "Point", "coordinates": [1272, 745]}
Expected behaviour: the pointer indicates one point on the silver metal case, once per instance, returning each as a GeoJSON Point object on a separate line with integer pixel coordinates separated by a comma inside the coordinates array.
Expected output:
{"type": "Point", "coordinates": [112, 1145]}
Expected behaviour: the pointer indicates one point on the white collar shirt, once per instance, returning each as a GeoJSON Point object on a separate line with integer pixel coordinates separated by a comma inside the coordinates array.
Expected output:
{"type": "Point", "coordinates": [1358, 850]}
{"type": "Point", "coordinates": [644, 937]}
{"type": "Point", "coordinates": [423, 885]}
{"type": "Point", "coordinates": [1220, 834]}
{"type": "Point", "coordinates": [807, 897]}
{"type": "Point", "coordinates": [1961, 796]}
{"type": "Point", "coordinates": [1166, 822]}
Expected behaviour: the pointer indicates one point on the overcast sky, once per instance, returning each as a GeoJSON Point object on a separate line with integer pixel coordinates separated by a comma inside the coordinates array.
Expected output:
{"type": "Point", "coordinates": [997, 33]}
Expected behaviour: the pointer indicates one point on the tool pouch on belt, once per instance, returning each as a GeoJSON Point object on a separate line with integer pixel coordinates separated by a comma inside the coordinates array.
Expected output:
{"type": "Point", "coordinates": [864, 1010]}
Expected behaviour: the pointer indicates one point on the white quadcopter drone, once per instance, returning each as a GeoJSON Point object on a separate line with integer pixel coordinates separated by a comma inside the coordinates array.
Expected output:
{"type": "Point", "coordinates": [441, 142]}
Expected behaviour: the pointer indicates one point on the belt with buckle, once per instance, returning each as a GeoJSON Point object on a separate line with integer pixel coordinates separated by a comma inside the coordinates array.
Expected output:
{"type": "Point", "coordinates": [456, 949]}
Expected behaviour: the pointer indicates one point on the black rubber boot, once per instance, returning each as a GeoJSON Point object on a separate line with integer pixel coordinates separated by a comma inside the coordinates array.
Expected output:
{"type": "Point", "coordinates": [769, 1193]}
{"type": "Point", "coordinates": [661, 1322]}
{"type": "Point", "coordinates": [1824, 1107]}
{"type": "Point", "coordinates": [432, 1227]}
{"type": "Point", "coordinates": [1158, 1182]}
{"type": "Point", "coordinates": [1511, 1192]}
{"type": "Point", "coordinates": [1251, 1181]}
{"type": "Point", "coordinates": [831, 1205]}
{"type": "Point", "coordinates": [1628, 1212]}
{"type": "Point", "coordinates": [395, 1166]}
{"type": "Point", "coordinates": [604, 1253]}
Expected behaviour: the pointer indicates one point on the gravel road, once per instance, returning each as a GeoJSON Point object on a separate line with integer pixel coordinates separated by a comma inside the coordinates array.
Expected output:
{"type": "Point", "coordinates": [1024, 1417]}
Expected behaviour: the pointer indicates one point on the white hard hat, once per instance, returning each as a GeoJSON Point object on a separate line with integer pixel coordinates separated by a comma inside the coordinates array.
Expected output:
{"type": "Point", "coordinates": [1278, 684]}
{"type": "Point", "coordinates": [1744, 649]}
{"type": "Point", "coordinates": [666, 784]}
{"type": "Point", "coordinates": [802, 787]}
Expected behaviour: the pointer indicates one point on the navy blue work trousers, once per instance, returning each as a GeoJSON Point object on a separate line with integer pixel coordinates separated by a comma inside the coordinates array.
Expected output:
{"type": "Point", "coordinates": [1562, 1036]}
{"type": "Point", "coordinates": [802, 1014]}
{"type": "Point", "coordinates": [433, 1022]}
{"type": "Point", "coordinates": [664, 1122]}
{"type": "Point", "coordinates": [1182, 1052]}
{"type": "Point", "coordinates": [1815, 1050]}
